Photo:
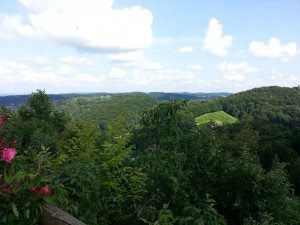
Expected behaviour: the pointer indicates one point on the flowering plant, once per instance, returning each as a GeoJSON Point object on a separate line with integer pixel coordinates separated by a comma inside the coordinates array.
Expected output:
{"type": "Point", "coordinates": [24, 185]}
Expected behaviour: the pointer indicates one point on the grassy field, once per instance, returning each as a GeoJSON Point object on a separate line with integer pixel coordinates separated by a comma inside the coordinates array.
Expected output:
{"type": "Point", "coordinates": [219, 117]}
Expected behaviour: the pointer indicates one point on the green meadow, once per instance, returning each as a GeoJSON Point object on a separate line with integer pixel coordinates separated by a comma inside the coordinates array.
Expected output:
{"type": "Point", "coordinates": [219, 117]}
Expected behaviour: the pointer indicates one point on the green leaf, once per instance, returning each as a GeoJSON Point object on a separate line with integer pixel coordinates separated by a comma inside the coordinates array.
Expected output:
{"type": "Point", "coordinates": [15, 210]}
{"type": "Point", "coordinates": [145, 221]}
{"type": "Point", "coordinates": [27, 204]}
{"type": "Point", "coordinates": [44, 180]}
{"type": "Point", "coordinates": [48, 199]}
{"type": "Point", "coordinates": [165, 206]}
{"type": "Point", "coordinates": [27, 213]}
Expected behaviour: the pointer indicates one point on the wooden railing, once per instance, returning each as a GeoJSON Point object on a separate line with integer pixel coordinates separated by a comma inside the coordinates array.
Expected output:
{"type": "Point", "coordinates": [53, 215]}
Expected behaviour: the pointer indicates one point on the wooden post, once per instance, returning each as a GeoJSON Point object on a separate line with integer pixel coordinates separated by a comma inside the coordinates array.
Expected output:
{"type": "Point", "coordinates": [53, 215]}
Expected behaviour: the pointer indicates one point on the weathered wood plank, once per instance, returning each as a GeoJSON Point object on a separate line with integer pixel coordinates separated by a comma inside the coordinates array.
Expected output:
{"type": "Point", "coordinates": [53, 215]}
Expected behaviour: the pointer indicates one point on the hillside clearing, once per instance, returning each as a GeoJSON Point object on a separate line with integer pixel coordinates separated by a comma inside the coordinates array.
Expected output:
{"type": "Point", "coordinates": [219, 117]}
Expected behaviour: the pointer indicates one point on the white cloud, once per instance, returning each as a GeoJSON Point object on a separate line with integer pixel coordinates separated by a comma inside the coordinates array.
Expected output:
{"type": "Point", "coordinates": [117, 73]}
{"type": "Point", "coordinates": [187, 49]}
{"type": "Point", "coordinates": [213, 42]}
{"type": "Point", "coordinates": [11, 25]}
{"type": "Point", "coordinates": [65, 70]}
{"type": "Point", "coordinates": [194, 67]}
{"type": "Point", "coordinates": [241, 54]}
{"type": "Point", "coordinates": [134, 60]}
{"type": "Point", "coordinates": [24, 75]}
{"type": "Point", "coordinates": [5, 27]}
{"type": "Point", "coordinates": [87, 78]}
{"type": "Point", "coordinates": [15, 72]}
{"type": "Point", "coordinates": [148, 65]}
{"type": "Point", "coordinates": [77, 61]}
{"type": "Point", "coordinates": [13, 66]}
{"type": "Point", "coordinates": [273, 49]}
{"type": "Point", "coordinates": [34, 61]}
{"type": "Point", "coordinates": [233, 77]}
{"type": "Point", "coordinates": [239, 67]}
{"type": "Point", "coordinates": [165, 79]}
{"type": "Point", "coordinates": [283, 79]}
{"type": "Point", "coordinates": [19, 77]}
{"type": "Point", "coordinates": [125, 57]}
{"type": "Point", "coordinates": [234, 72]}
{"type": "Point", "coordinates": [85, 24]}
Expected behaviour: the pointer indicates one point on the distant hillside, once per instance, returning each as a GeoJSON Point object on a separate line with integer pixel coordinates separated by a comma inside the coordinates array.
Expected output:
{"type": "Point", "coordinates": [103, 109]}
{"type": "Point", "coordinates": [219, 117]}
{"type": "Point", "coordinates": [13, 101]}
{"type": "Point", "coordinates": [187, 96]}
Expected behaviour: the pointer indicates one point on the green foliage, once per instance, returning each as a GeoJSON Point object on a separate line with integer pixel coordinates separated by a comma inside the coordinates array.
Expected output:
{"type": "Point", "coordinates": [102, 110]}
{"type": "Point", "coordinates": [177, 172]}
{"type": "Point", "coordinates": [152, 216]}
{"type": "Point", "coordinates": [201, 107]}
{"type": "Point", "coordinates": [38, 106]}
{"type": "Point", "coordinates": [268, 103]}
{"type": "Point", "coordinates": [35, 124]}
{"type": "Point", "coordinates": [102, 184]}
{"type": "Point", "coordinates": [188, 96]}
{"type": "Point", "coordinates": [19, 204]}
{"type": "Point", "coordinates": [161, 126]}
{"type": "Point", "coordinates": [219, 118]}
{"type": "Point", "coordinates": [274, 113]}
{"type": "Point", "coordinates": [205, 214]}
{"type": "Point", "coordinates": [230, 181]}
{"type": "Point", "coordinates": [167, 179]}
{"type": "Point", "coordinates": [221, 161]}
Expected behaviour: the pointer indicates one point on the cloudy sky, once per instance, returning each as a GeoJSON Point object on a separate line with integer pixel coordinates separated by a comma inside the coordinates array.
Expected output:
{"type": "Point", "coordinates": [66, 46]}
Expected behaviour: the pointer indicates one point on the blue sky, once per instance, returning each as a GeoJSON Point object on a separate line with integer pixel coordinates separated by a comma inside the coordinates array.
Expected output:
{"type": "Point", "coordinates": [138, 45]}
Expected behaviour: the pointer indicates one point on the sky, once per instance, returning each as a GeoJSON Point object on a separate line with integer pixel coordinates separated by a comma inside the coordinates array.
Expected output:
{"type": "Point", "coordinates": [67, 46]}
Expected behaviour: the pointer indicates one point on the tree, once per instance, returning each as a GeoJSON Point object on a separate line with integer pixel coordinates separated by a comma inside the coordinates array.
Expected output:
{"type": "Point", "coordinates": [37, 106]}
{"type": "Point", "coordinates": [161, 125]}
{"type": "Point", "coordinates": [35, 124]}
{"type": "Point", "coordinates": [102, 183]}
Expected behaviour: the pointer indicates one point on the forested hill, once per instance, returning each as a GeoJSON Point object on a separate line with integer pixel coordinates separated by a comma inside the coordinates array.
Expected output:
{"type": "Point", "coordinates": [274, 112]}
{"type": "Point", "coordinates": [187, 96]}
{"type": "Point", "coordinates": [266, 103]}
{"type": "Point", "coordinates": [13, 101]}
{"type": "Point", "coordinates": [104, 109]}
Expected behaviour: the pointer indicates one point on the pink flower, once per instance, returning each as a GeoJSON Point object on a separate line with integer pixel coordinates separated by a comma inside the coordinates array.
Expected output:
{"type": "Point", "coordinates": [1, 177]}
{"type": "Point", "coordinates": [33, 190]}
{"type": "Point", "coordinates": [8, 154]}
{"type": "Point", "coordinates": [44, 190]}
{"type": "Point", "coordinates": [1, 121]}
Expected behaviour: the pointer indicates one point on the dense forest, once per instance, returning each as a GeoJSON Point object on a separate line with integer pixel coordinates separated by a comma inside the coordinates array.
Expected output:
{"type": "Point", "coordinates": [138, 159]}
